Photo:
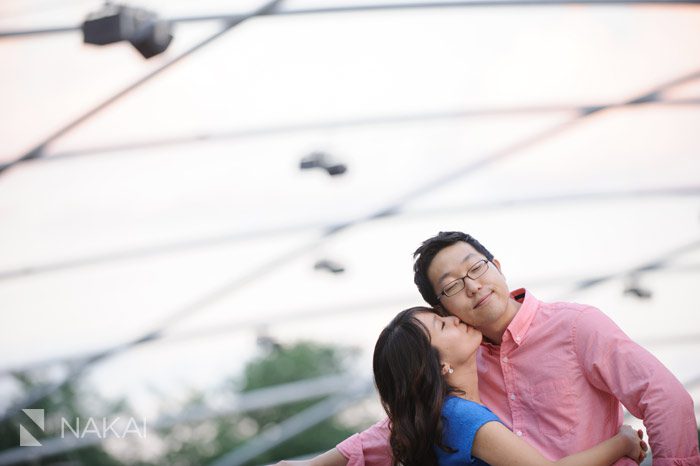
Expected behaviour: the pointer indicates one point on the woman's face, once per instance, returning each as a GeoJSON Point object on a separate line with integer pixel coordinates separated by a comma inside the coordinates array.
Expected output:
{"type": "Point", "coordinates": [456, 341]}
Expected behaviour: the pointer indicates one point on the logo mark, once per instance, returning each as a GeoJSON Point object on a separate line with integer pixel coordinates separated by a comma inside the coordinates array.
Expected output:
{"type": "Point", "coordinates": [25, 438]}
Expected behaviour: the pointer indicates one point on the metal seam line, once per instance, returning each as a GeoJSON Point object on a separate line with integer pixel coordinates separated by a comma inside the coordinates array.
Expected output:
{"type": "Point", "coordinates": [349, 125]}
{"type": "Point", "coordinates": [376, 7]}
{"type": "Point", "coordinates": [233, 237]}
{"type": "Point", "coordinates": [227, 328]}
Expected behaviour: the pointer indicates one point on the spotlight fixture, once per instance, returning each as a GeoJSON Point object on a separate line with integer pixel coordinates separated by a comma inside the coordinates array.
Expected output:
{"type": "Point", "coordinates": [322, 160]}
{"type": "Point", "coordinates": [641, 293]}
{"type": "Point", "coordinates": [142, 28]}
{"type": "Point", "coordinates": [635, 289]}
{"type": "Point", "coordinates": [330, 266]}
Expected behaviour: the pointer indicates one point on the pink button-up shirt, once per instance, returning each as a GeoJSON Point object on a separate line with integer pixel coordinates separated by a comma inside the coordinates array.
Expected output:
{"type": "Point", "coordinates": [557, 381]}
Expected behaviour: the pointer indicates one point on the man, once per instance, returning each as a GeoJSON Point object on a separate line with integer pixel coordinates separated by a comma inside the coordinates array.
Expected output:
{"type": "Point", "coordinates": [554, 373]}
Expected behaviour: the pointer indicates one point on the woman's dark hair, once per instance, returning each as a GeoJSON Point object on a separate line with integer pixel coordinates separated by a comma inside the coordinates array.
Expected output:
{"type": "Point", "coordinates": [427, 251]}
{"type": "Point", "coordinates": [408, 375]}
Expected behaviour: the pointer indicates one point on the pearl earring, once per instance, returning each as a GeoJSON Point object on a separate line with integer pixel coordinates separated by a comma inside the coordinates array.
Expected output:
{"type": "Point", "coordinates": [450, 370]}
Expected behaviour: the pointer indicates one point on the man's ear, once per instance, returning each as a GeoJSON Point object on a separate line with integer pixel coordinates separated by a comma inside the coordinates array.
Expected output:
{"type": "Point", "coordinates": [495, 262]}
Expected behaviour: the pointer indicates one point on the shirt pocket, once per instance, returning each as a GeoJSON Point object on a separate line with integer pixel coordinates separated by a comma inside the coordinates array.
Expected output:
{"type": "Point", "coordinates": [554, 406]}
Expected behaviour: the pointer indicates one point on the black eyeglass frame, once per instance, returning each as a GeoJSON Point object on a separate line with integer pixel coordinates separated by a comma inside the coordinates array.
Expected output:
{"type": "Point", "coordinates": [476, 265]}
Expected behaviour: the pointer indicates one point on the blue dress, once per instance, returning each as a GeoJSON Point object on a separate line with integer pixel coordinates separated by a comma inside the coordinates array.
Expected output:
{"type": "Point", "coordinates": [461, 420]}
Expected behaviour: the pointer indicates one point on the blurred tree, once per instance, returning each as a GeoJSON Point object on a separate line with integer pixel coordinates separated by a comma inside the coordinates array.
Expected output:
{"type": "Point", "coordinates": [203, 443]}
{"type": "Point", "coordinates": [200, 443]}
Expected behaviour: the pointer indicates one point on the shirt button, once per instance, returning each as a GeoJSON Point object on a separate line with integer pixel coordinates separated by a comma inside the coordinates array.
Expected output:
{"type": "Point", "coordinates": [517, 338]}
{"type": "Point", "coordinates": [512, 396]}
{"type": "Point", "coordinates": [519, 433]}
{"type": "Point", "coordinates": [505, 359]}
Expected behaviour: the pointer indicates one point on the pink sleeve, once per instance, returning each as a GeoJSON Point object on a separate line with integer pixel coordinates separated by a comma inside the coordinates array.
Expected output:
{"type": "Point", "coordinates": [368, 448]}
{"type": "Point", "coordinates": [617, 365]}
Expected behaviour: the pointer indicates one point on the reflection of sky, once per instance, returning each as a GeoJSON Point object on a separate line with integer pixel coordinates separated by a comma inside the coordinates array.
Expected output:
{"type": "Point", "coordinates": [600, 195]}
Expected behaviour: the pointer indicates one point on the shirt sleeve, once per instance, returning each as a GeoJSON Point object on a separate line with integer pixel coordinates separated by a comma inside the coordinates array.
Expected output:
{"type": "Point", "coordinates": [617, 365]}
{"type": "Point", "coordinates": [368, 448]}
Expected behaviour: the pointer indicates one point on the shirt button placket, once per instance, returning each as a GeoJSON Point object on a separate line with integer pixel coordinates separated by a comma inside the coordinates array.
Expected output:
{"type": "Point", "coordinates": [511, 388]}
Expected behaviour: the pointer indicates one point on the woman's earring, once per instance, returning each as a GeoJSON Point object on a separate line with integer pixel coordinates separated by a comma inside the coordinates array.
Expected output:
{"type": "Point", "coordinates": [450, 370]}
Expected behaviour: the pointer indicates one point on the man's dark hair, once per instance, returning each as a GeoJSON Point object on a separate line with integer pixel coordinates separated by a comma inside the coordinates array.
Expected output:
{"type": "Point", "coordinates": [427, 251]}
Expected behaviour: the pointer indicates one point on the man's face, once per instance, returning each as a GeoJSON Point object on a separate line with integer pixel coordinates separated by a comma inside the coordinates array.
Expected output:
{"type": "Point", "coordinates": [483, 302]}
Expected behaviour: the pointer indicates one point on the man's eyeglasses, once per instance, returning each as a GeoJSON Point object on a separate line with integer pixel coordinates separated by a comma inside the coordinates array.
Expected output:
{"type": "Point", "coordinates": [458, 285]}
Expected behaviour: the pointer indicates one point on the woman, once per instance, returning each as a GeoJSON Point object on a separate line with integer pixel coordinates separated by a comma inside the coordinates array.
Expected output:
{"type": "Point", "coordinates": [425, 371]}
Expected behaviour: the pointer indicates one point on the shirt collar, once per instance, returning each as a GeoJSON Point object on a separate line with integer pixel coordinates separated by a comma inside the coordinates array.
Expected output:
{"type": "Point", "coordinates": [520, 324]}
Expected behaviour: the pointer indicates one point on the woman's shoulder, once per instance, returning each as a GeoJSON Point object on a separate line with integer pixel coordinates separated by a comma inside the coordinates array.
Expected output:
{"type": "Point", "coordinates": [462, 419]}
{"type": "Point", "coordinates": [458, 408]}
